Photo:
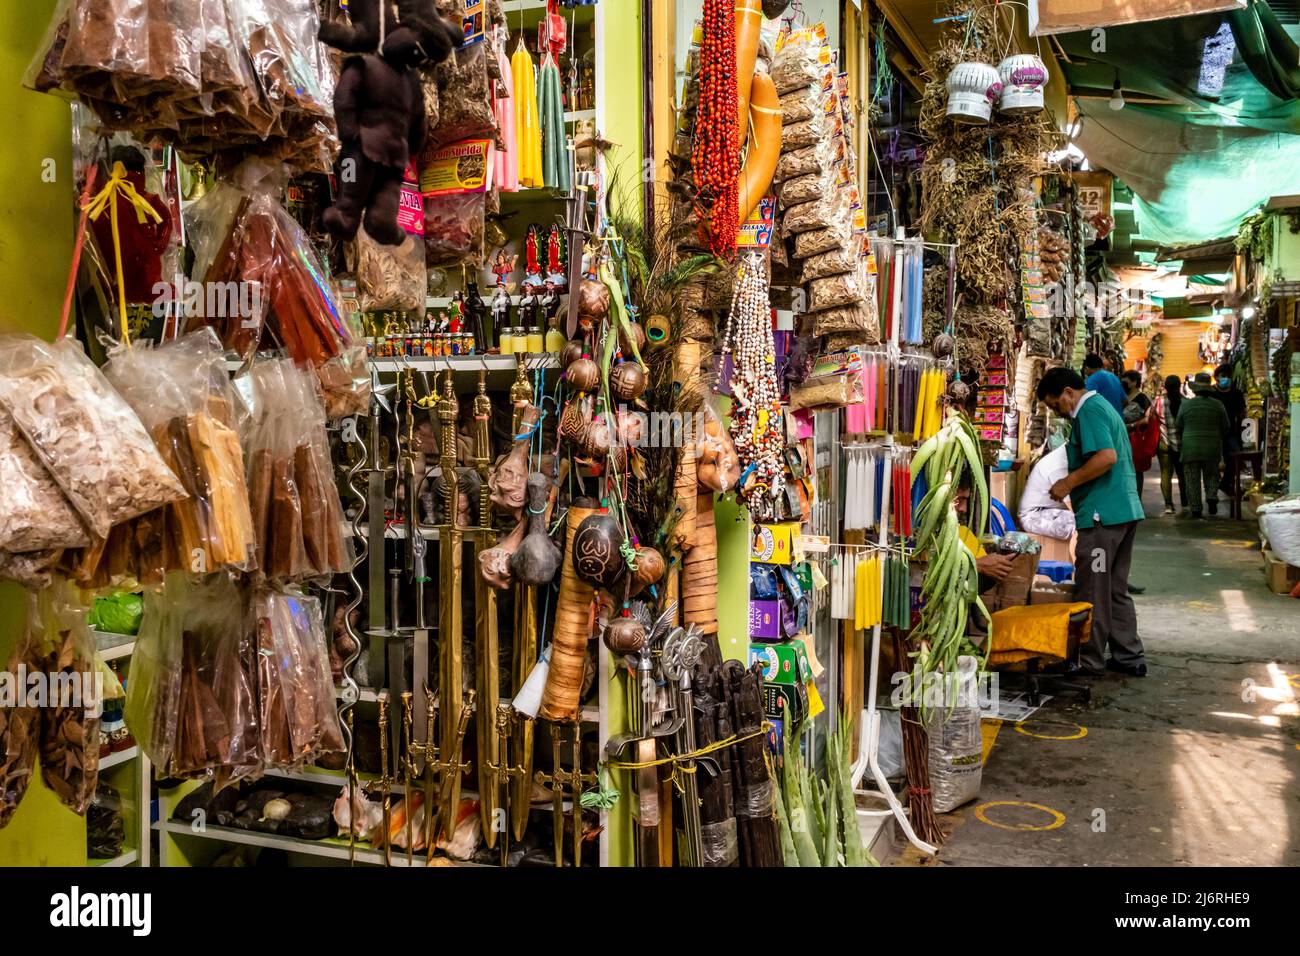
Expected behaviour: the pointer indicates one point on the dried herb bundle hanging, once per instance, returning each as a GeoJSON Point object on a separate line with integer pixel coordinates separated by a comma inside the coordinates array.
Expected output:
{"type": "Point", "coordinates": [916, 762]}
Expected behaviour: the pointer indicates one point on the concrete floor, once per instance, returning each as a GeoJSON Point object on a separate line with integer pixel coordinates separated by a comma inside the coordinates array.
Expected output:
{"type": "Point", "coordinates": [1197, 764]}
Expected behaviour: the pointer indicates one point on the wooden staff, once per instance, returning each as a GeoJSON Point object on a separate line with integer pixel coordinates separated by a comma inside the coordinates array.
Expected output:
{"type": "Point", "coordinates": [562, 694]}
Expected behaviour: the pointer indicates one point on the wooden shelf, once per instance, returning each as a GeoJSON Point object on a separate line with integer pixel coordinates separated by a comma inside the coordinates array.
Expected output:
{"type": "Point", "coordinates": [464, 363]}
{"type": "Point", "coordinates": [113, 646]}
{"type": "Point", "coordinates": [121, 757]}
{"type": "Point", "coordinates": [331, 848]}
{"type": "Point", "coordinates": [123, 859]}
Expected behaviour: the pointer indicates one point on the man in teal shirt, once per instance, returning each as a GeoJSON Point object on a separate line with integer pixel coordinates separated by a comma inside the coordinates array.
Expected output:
{"type": "Point", "coordinates": [1102, 488]}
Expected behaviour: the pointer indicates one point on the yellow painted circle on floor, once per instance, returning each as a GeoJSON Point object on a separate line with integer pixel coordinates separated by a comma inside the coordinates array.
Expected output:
{"type": "Point", "coordinates": [1079, 735]}
{"type": "Point", "coordinates": [1058, 818]}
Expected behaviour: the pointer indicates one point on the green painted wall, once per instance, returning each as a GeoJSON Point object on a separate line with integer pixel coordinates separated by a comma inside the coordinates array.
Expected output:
{"type": "Point", "coordinates": [623, 116]}
{"type": "Point", "coordinates": [35, 244]}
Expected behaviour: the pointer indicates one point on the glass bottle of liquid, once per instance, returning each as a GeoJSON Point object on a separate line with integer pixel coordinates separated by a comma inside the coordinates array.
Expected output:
{"type": "Point", "coordinates": [554, 337]}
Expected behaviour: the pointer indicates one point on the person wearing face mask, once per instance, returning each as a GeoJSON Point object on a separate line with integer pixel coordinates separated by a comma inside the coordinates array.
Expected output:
{"type": "Point", "coordinates": [1102, 487]}
{"type": "Point", "coordinates": [1234, 403]}
{"type": "Point", "coordinates": [1203, 431]}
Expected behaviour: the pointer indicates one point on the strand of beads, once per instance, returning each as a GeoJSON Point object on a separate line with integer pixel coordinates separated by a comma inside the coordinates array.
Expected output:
{"type": "Point", "coordinates": [756, 425]}
{"type": "Point", "coordinates": [715, 153]}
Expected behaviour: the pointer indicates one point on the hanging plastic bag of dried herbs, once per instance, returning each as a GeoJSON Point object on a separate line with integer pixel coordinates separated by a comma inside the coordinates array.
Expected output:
{"type": "Point", "coordinates": [61, 647]}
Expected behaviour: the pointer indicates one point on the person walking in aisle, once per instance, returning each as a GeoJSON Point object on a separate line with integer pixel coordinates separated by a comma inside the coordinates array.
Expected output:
{"type": "Point", "coordinates": [1203, 428]}
{"type": "Point", "coordinates": [1167, 404]}
{"type": "Point", "coordinates": [1102, 488]}
{"type": "Point", "coordinates": [1234, 403]}
{"type": "Point", "coordinates": [1106, 384]}
{"type": "Point", "coordinates": [1139, 417]}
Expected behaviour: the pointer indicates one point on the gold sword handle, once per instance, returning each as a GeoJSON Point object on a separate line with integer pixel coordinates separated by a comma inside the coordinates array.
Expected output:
{"type": "Point", "coordinates": [384, 782]}
{"type": "Point", "coordinates": [408, 765]}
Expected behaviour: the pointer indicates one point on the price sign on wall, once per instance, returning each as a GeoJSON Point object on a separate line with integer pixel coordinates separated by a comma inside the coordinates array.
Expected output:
{"type": "Point", "coordinates": [1094, 194]}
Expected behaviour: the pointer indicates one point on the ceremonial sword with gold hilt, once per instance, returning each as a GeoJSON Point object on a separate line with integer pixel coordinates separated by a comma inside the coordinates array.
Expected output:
{"type": "Point", "coordinates": [525, 647]}
{"type": "Point", "coordinates": [450, 620]}
{"type": "Point", "coordinates": [487, 669]}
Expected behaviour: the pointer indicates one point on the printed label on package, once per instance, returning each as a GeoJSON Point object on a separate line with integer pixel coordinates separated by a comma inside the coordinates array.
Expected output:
{"type": "Point", "coordinates": [474, 21]}
{"type": "Point", "coordinates": [756, 231]}
{"type": "Point", "coordinates": [410, 209]}
{"type": "Point", "coordinates": [464, 167]}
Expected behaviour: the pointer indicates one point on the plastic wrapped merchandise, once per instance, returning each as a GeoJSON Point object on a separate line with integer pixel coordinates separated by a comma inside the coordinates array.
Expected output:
{"type": "Point", "coordinates": [153, 692]}
{"type": "Point", "coordinates": [719, 845]}
{"type": "Point", "coordinates": [798, 59]}
{"type": "Point", "coordinates": [800, 105]}
{"type": "Point", "coordinates": [464, 87]}
{"type": "Point", "coordinates": [34, 514]}
{"type": "Point", "coordinates": [183, 396]}
{"type": "Point", "coordinates": [804, 189]}
{"type": "Point", "coordinates": [88, 438]}
{"type": "Point", "coordinates": [216, 709]}
{"type": "Point", "coordinates": [32, 569]}
{"type": "Point", "coordinates": [394, 277]}
{"type": "Point", "coordinates": [345, 383]}
{"type": "Point", "coordinates": [821, 213]}
{"type": "Point", "coordinates": [263, 279]}
{"type": "Point", "coordinates": [141, 48]}
{"type": "Point", "coordinates": [60, 646]}
{"type": "Point", "coordinates": [296, 702]}
{"type": "Point", "coordinates": [297, 516]}
{"type": "Point", "coordinates": [1280, 522]}
{"type": "Point", "coordinates": [833, 292]}
{"type": "Point", "coordinates": [455, 181]}
{"type": "Point", "coordinates": [19, 729]}
{"type": "Point", "coordinates": [808, 244]}
{"type": "Point", "coordinates": [956, 745]}
{"type": "Point", "coordinates": [808, 161]}
{"type": "Point", "coordinates": [833, 263]}
{"type": "Point", "coordinates": [849, 319]}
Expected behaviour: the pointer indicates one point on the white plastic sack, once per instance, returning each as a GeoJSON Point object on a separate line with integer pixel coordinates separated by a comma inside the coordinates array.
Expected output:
{"type": "Point", "coordinates": [1279, 522]}
{"type": "Point", "coordinates": [956, 746]}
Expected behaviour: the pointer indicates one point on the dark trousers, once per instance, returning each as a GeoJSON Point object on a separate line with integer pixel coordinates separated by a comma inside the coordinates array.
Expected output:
{"type": "Point", "coordinates": [1171, 466]}
{"type": "Point", "coordinates": [1101, 566]}
{"type": "Point", "coordinates": [1202, 474]}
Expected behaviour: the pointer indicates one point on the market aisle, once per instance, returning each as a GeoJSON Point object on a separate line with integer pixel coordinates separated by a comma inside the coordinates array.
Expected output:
{"type": "Point", "coordinates": [1176, 768]}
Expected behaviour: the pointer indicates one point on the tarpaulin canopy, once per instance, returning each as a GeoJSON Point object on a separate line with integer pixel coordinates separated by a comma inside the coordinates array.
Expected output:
{"type": "Point", "coordinates": [1210, 128]}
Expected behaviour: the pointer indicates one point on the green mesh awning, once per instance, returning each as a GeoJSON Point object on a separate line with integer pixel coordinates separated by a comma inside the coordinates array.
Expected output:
{"type": "Point", "coordinates": [1227, 135]}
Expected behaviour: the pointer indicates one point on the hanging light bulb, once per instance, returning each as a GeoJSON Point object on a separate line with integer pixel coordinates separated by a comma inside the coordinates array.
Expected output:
{"type": "Point", "coordinates": [1248, 312]}
{"type": "Point", "coordinates": [1117, 96]}
{"type": "Point", "coordinates": [1076, 128]}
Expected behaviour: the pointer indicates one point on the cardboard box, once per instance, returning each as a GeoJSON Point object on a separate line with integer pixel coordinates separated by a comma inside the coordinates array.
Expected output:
{"type": "Point", "coordinates": [765, 620]}
{"type": "Point", "coordinates": [773, 543]}
{"type": "Point", "coordinates": [783, 663]}
{"type": "Point", "coordinates": [789, 701]}
{"type": "Point", "coordinates": [1054, 549]}
{"type": "Point", "coordinates": [1051, 594]}
{"type": "Point", "coordinates": [1014, 590]}
{"type": "Point", "coordinates": [1282, 577]}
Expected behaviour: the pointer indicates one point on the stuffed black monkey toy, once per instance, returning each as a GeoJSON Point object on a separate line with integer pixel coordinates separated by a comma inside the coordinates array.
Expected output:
{"type": "Point", "coordinates": [379, 108]}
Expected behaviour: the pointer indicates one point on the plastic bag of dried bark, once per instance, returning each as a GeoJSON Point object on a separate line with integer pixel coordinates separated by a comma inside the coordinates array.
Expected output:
{"type": "Point", "coordinates": [803, 189]}
{"type": "Point", "coordinates": [89, 439]}
{"type": "Point", "coordinates": [834, 291]}
{"type": "Point", "coordinates": [32, 569]}
{"type": "Point", "coordinates": [807, 244]}
{"type": "Point", "coordinates": [798, 61]}
{"type": "Point", "coordinates": [465, 90]}
{"type": "Point", "coordinates": [833, 263]}
{"type": "Point", "coordinates": [807, 216]}
{"type": "Point", "coordinates": [849, 319]}
{"type": "Point", "coordinates": [391, 277]}
{"type": "Point", "coordinates": [34, 514]}
{"type": "Point", "coordinates": [19, 730]}
{"type": "Point", "coordinates": [60, 646]}
{"type": "Point", "coordinates": [802, 162]}
{"type": "Point", "coordinates": [453, 229]}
